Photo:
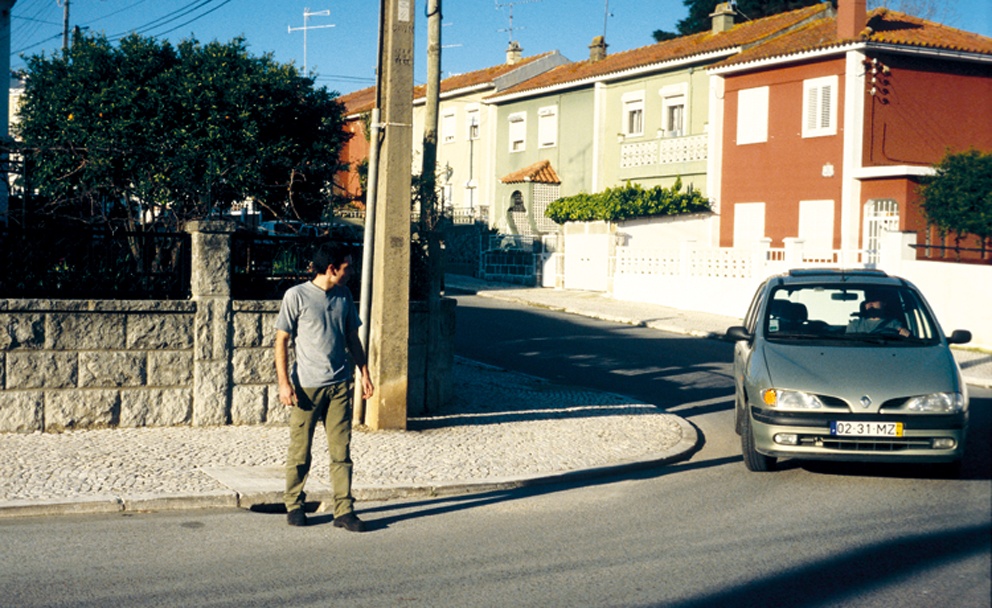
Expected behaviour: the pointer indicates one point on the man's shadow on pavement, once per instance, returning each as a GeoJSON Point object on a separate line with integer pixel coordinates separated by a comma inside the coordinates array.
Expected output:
{"type": "Point", "coordinates": [563, 483]}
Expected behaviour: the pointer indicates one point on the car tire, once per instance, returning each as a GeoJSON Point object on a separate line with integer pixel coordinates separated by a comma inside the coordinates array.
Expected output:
{"type": "Point", "coordinates": [753, 460]}
{"type": "Point", "coordinates": [738, 408]}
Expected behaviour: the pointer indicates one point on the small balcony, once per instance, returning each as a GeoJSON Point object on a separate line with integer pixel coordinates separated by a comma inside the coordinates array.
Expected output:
{"type": "Point", "coordinates": [663, 151]}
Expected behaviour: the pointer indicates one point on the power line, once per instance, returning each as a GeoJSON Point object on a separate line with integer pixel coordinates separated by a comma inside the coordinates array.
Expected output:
{"type": "Point", "coordinates": [169, 18]}
{"type": "Point", "coordinates": [198, 17]}
{"type": "Point", "coordinates": [43, 8]}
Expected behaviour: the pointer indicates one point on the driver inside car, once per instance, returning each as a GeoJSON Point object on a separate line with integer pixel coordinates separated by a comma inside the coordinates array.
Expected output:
{"type": "Point", "coordinates": [878, 315]}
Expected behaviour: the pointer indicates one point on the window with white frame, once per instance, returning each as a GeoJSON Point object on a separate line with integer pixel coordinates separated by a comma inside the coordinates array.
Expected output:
{"type": "Point", "coordinates": [752, 116]}
{"type": "Point", "coordinates": [673, 110]}
{"type": "Point", "coordinates": [472, 118]}
{"type": "Point", "coordinates": [547, 127]}
{"type": "Point", "coordinates": [816, 227]}
{"type": "Point", "coordinates": [749, 225]}
{"type": "Point", "coordinates": [448, 127]}
{"type": "Point", "coordinates": [820, 107]}
{"type": "Point", "coordinates": [633, 114]}
{"type": "Point", "coordinates": [518, 131]}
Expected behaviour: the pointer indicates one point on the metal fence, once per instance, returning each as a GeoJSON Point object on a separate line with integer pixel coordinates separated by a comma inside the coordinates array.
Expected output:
{"type": "Point", "coordinates": [264, 267]}
{"type": "Point", "coordinates": [72, 262]}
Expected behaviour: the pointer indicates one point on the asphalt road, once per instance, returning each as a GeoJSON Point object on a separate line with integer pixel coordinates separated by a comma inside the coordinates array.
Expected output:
{"type": "Point", "coordinates": [702, 533]}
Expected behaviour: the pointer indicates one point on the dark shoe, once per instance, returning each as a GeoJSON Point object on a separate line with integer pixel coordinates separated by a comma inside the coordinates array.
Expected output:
{"type": "Point", "coordinates": [349, 522]}
{"type": "Point", "coordinates": [296, 517]}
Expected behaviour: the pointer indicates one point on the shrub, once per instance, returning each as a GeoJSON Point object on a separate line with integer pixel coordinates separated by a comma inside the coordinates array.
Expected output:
{"type": "Point", "coordinates": [627, 202]}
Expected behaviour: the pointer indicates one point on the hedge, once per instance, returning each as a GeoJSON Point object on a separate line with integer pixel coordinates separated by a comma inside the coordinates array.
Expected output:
{"type": "Point", "coordinates": [627, 202]}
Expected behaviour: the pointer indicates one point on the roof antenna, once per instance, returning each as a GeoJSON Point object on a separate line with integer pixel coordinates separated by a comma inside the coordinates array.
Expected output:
{"type": "Point", "coordinates": [511, 4]}
{"type": "Point", "coordinates": [606, 15]}
{"type": "Point", "coordinates": [733, 7]}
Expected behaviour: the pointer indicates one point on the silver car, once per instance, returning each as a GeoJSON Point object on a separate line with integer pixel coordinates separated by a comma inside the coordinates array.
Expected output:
{"type": "Point", "coordinates": [846, 365]}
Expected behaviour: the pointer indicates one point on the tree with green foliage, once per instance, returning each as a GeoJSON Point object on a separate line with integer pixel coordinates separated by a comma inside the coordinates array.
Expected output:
{"type": "Point", "coordinates": [109, 133]}
{"type": "Point", "coordinates": [958, 198]}
{"type": "Point", "coordinates": [698, 19]}
{"type": "Point", "coordinates": [627, 202]}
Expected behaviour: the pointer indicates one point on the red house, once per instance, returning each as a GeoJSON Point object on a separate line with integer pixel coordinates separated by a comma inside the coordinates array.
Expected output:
{"type": "Point", "coordinates": [827, 131]}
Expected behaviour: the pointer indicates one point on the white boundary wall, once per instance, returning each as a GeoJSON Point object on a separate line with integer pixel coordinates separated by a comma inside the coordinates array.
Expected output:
{"type": "Point", "coordinates": [671, 268]}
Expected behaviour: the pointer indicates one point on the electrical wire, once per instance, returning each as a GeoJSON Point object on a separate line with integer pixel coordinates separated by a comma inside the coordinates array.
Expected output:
{"type": "Point", "coordinates": [37, 14]}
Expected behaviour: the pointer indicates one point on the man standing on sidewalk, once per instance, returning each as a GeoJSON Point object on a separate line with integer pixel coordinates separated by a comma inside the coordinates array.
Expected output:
{"type": "Point", "coordinates": [319, 316]}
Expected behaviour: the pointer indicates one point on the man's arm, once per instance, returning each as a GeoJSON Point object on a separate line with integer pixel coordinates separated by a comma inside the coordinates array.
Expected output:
{"type": "Point", "coordinates": [358, 356]}
{"type": "Point", "coordinates": [287, 396]}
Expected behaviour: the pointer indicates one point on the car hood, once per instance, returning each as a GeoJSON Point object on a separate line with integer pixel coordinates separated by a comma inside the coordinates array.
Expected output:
{"type": "Point", "coordinates": [882, 373]}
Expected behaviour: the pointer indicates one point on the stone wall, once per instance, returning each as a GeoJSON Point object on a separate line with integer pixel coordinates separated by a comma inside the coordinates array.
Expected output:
{"type": "Point", "coordinates": [85, 364]}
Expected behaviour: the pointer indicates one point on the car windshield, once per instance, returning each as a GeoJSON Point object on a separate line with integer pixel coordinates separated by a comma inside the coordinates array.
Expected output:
{"type": "Point", "coordinates": [866, 313]}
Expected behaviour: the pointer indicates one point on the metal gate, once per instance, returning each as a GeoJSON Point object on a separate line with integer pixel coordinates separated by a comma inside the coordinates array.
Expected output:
{"type": "Point", "coordinates": [881, 215]}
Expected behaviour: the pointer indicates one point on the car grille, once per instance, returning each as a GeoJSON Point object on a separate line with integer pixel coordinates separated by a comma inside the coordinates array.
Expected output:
{"type": "Point", "coordinates": [864, 444]}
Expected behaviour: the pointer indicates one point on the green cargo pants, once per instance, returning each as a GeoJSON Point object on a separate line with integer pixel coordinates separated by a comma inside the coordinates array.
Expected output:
{"type": "Point", "coordinates": [331, 405]}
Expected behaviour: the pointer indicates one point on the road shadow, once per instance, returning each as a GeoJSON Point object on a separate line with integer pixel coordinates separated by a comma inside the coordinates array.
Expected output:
{"type": "Point", "coordinates": [566, 482]}
{"type": "Point", "coordinates": [649, 365]}
{"type": "Point", "coordinates": [484, 394]}
{"type": "Point", "coordinates": [868, 569]}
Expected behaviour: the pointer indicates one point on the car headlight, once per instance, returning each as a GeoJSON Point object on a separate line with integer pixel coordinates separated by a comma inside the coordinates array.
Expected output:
{"type": "Point", "coordinates": [937, 403]}
{"type": "Point", "coordinates": [790, 400]}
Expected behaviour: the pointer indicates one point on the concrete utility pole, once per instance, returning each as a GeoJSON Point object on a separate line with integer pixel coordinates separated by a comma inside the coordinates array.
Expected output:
{"type": "Point", "coordinates": [65, 25]}
{"type": "Point", "coordinates": [5, 7]}
{"type": "Point", "coordinates": [390, 331]}
{"type": "Point", "coordinates": [429, 212]}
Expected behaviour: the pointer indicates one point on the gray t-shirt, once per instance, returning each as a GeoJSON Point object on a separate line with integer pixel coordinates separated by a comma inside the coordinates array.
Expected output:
{"type": "Point", "coordinates": [319, 323]}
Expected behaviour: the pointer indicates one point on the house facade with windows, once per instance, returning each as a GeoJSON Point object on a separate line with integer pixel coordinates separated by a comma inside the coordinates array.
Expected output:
{"type": "Point", "coordinates": [829, 129]}
{"type": "Point", "coordinates": [465, 131]}
{"type": "Point", "coordinates": [642, 116]}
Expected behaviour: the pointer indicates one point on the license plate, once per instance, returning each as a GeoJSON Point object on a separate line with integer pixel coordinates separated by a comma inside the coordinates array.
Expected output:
{"type": "Point", "coordinates": [866, 429]}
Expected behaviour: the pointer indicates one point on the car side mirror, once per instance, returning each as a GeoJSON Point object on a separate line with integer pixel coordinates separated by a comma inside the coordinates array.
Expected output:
{"type": "Point", "coordinates": [959, 336]}
{"type": "Point", "coordinates": [739, 332]}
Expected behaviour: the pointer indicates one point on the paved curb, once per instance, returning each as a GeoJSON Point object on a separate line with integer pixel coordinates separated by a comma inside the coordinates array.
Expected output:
{"type": "Point", "coordinates": [253, 488]}
{"type": "Point", "coordinates": [687, 446]}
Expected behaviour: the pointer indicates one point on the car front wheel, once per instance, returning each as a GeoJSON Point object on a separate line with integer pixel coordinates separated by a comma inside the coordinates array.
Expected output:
{"type": "Point", "coordinates": [753, 460]}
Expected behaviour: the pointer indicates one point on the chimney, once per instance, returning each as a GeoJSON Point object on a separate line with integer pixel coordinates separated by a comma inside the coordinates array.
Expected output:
{"type": "Point", "coordinates": [723, 17]}
{"type": "Point", "coordinates": [513, 53]}
{"type": "Point", "coordinates": [597, 50]}
{"type": "Point", "coordinates": [852, 17]}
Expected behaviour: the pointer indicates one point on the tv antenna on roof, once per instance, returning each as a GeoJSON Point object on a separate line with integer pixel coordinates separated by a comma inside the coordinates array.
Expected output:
{"type": "Point", "coordinates": [606, 15]}
{"type": "Point", "coordinates": [510, 5]}
{"type": "Point", "coordinates": [307, 13]}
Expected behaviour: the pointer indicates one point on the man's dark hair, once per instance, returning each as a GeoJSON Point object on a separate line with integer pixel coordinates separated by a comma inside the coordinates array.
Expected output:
{"type": "Point", "coordinates": [329, 254]}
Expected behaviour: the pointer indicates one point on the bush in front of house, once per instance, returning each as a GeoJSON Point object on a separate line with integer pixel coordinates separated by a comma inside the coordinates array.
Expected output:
{"type": "Point", "coordinates": [628, 202]}
{"type": "Point", "coordinates": [958, 197]}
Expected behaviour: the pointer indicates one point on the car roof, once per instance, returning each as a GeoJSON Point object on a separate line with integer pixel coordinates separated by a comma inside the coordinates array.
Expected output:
{"type": "Point", "coordinates": [814, 276]}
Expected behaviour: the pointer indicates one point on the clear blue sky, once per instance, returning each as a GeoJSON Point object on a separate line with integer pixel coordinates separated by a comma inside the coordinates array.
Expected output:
{"type": "Point", "coordinates": [475, 33]}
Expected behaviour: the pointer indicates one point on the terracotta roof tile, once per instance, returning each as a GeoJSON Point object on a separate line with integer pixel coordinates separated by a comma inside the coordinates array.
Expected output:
{"type": "Point", "coordinates": [741, 35]}
{"type": "Point", "coordinates": [358, 101]}
{"type": "Point", "coordinates": [883, 26]}
{"type": "Point", "coordinates": [540, 172]}
{"type": "Point", "coordinates": [364, 99]}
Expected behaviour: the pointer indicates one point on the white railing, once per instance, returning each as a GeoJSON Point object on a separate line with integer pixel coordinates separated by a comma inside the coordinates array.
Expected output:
{"type": "Point", "coordinates": [663, 151]}
{"type": "Point", "coordinates": [690, 260]}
